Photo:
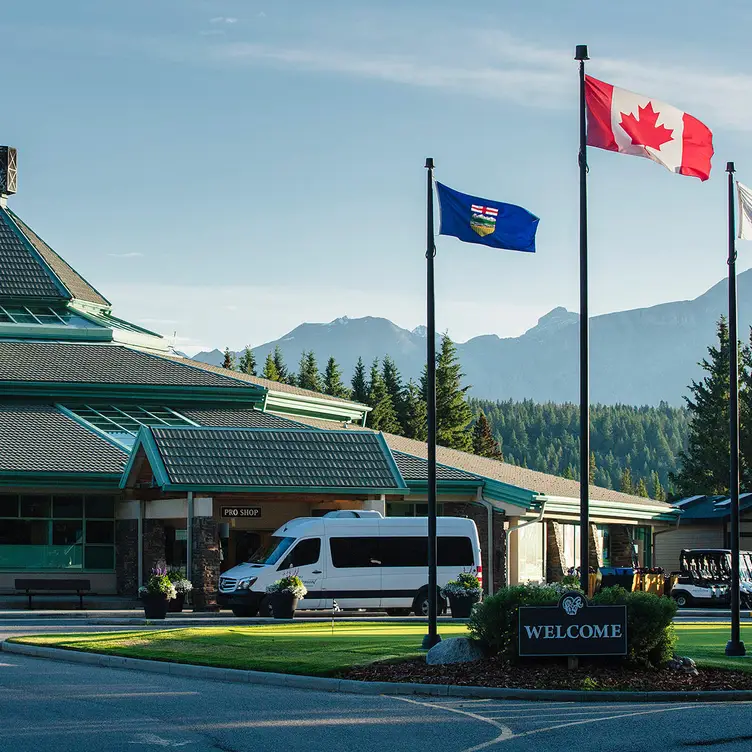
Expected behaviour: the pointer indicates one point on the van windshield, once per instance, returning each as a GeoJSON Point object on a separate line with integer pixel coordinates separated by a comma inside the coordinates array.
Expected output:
{"type": "Point", "coordinates": [273, 551]}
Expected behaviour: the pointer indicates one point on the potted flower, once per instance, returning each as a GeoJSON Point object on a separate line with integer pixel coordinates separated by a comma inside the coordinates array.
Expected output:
{"type": "Point", "coordinates": [156, 594]}
{"type": "Point", "coordinates": [284, 595]}
{"type": "Point", "coordinates": [182, 586]}
{"type": "Point", "coordinates": [463, 593]}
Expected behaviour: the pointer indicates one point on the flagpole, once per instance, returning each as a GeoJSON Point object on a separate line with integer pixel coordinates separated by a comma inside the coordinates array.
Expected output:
{"type": "Point", "coordinates": [432, 638]}
{"type": "Point", "coordinates": [581, 54]}
{"type": "Point", "coordinates": [735, 646]}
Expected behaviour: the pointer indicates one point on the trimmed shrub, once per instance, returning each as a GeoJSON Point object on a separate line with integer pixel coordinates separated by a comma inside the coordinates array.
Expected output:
{"type": "Point", "coordinates": [494, 622]}
{"type": "Point", "coordinates": [651, 637]}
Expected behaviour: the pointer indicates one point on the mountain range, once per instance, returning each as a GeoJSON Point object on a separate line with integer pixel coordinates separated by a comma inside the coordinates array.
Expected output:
{"type": "Point", "coordinates": [638, 357]}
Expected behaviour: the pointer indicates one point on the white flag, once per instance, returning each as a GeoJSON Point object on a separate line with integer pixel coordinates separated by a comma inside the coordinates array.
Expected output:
{"type": "Point", "coordinates": [745, 211]}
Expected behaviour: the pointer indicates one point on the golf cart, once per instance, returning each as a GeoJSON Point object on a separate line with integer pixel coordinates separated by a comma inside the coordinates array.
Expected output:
{"type": "Point", "coordinates": [705, 578]}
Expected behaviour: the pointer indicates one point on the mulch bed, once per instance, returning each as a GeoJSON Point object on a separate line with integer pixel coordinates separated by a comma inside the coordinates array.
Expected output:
{"type": "Point", "coordinates": [495, 672]}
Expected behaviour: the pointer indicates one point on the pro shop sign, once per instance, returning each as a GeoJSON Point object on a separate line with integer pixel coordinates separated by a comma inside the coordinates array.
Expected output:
{"type": "Point", "coordinates": [573, 627]}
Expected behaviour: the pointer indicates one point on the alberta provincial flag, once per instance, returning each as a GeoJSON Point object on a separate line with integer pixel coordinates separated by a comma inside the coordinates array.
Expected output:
{"type": "Point", "coordinates": [492, 223]}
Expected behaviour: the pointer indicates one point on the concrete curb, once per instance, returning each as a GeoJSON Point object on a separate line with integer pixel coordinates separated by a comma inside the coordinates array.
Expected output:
{"type": "Point", "coordinates": [325, 684]}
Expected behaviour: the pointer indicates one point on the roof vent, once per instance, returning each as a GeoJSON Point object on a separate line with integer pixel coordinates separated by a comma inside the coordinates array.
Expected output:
{"type": "Point", "coordinates": [8, 172]}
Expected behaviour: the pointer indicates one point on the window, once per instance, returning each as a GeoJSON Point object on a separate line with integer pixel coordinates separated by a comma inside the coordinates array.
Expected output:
{"type": "Point", "coordinates": [307, 552]}
{"type": "Point", "coordinates": [400, 551]}
{"type": "Point", "coordinates": [43, 316]}
{"type": "Point", "coordinates": [348, 553]}
{"type": "Point", "coordinates": [123, 421]}
{"type": "Point", "coordinates": [273, 551]}
{"type": "Point", "coordinates": [57, 532]}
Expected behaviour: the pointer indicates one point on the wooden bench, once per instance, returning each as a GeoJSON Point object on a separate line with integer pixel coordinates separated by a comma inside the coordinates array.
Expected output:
{"type": "Point", "coordinates": [41, 587]}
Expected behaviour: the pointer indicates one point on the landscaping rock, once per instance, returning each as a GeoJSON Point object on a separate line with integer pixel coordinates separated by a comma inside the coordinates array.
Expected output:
{"type": "Point", "coordinates": [454, 650]}
{"type": "Point", "coordinates": [683, 664]}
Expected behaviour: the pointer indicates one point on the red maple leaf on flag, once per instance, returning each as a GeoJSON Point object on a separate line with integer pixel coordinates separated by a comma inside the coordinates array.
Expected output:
{"type": "Point", "coordinates": [644, 131]}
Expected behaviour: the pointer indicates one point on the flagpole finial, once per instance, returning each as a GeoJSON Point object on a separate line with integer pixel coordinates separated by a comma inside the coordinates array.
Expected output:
{"type": "Point", "coordinates": [580, 52]}
{"type": "Point", "coordinates": [429, 163]}
{"type": "Point", "coordinates": [730, 167]}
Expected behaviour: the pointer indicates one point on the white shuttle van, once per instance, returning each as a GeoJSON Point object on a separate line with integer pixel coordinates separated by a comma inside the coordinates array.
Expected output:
{"type": "Point", "coordinates": [358, 559]}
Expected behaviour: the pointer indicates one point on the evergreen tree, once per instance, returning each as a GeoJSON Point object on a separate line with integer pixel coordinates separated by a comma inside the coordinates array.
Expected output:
{"type": "Point", "coordinates": [484, 443]}
{"type": "Point", "coordinates": [393, 382]}
{"type": "Point", "coordinates": [229, 360]}
{"type": "Point", "coordinates": [569, 473]}
{"type": "Point", "coordinates": [416, 420]}
{"type": "Point", "coordinates": [593, 468]}
{"type": "Point", "coordinates": [270, 369]}
{"type": "Point", "coordinates": [383, 416]}
{"type": "Point", "coordinates": [657, 491]}
{"type": "Point", "coordinates": [333, 380]}
{"type": "Point", "coordinates": [705, 463]}
{"type": "Point", "coordinates": [359, 383]}
{"type": "Point", "coordinates": [248, 361]}
{"type": "Point", "coordinates": [626, 485]}
{"type": "Point", "coordinates": [453, 414]}
{"type": "Point", "coordinates": [308, 373]}
{"type": "Point", "coordinates": [642, 489]}
{"type": "Point", "coordinates": [279, 363]}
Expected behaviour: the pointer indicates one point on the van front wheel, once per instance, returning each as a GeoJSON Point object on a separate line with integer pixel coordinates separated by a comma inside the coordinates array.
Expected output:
{"type": "Point", "coordinates": [420, 604]}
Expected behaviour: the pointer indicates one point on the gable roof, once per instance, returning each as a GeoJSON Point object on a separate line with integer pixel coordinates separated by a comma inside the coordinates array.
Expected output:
{"type": "Point", "coordinates": [282, 460]}
{"type": "Point", "coordinates": [40, 439]}
{"type": "Point", "coordinates": [416, 469]}
{"type": "Point", "coordinates": [73, 282]}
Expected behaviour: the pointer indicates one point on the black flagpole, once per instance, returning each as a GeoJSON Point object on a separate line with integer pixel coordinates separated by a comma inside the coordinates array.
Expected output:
{"type": "Point", "coordinates": [735, 646]}
{"type": "Point", "coordinates": [432, 637]}
{"type": "Point", "coordinates": [581, 54]}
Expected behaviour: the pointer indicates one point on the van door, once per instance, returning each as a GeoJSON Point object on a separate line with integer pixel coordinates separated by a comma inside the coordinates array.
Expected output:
{"type": "Point", "coordinates": [353, 576]}
{"type": "Point", "coordinates": [306, 560]}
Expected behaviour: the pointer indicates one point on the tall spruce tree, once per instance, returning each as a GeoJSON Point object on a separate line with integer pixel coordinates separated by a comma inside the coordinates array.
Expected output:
{"type": "Point", "coordinates": [657, 491]}
{"type": "Point", "coordinates": [642, 489]}
{"type": "Point", "coordinates": [333, 385]}
{"type": "Point", "coordinates": [285, 376]}
{"type": "Point", "coordinates": [393, 382]}
{"type": "Point", "coordinates": [453, 414]}
{"type": "Point", "coordinates": [308, 372]}
{"type": "Point", "coordinates": [248, 361]}
{"type": "Point", "coordinates": [705, 463]}
{"type": "Point", "coordinates": [593, 468]}
{"type": "Point", "coordinates": [416, 422]}
{"type": "Point", "coordinates": [627, 485]}
{"type": "Point", "coordinates": [484, 443]}
{"type": "Point", "coordinates": [229, 360]}
{"type": "Point", "coordinates": [270, 369]}
{"type": "Point", "coordinates": [383, 416]}
{"type": "Point", "coordinates": [359, 383]}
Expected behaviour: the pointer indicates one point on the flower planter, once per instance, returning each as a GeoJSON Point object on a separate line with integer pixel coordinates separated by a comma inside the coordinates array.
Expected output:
{"type": "Point", "coordinates": [175, 606]}
{"type": "Point", "coordinates": [462, 605]}
{"type": "Point", "coordinates": [155, 606]}
{"type": "Point", "coordinates": [283, 605]}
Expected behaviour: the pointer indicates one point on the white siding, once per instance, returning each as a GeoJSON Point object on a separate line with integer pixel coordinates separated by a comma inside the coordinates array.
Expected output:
{"type": "Point", "coordinates": [668, 546]}
{"type": "Point", "coordinates": [530, 553]}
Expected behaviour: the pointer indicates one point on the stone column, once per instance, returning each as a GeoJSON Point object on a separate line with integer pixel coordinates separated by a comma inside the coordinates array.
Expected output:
{"type": "Point", "coordinates": [595, 548]}
{"type": "Point", "coordinates": [205, 563]}
{"type": "Point", "coordinates": [154, 545]}
{"type": "Point", "coordinates": [499, 557]}
{"type": "Point", "coordinates": [126, 557]}
{"type": "Point", "coordinates": [554, 552]}
{"type": "Point", "coordinates": [622, 550]}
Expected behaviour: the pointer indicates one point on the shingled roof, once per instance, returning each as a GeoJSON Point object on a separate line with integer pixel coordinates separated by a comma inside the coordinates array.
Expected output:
{"type": "Point", "coordinates": [200, 457]}
{"type": "Point", "coordinates": [236, 418]}
{"type": "Point", "coordinates": [97, 363]}
{"type": "Point", "coordinates": [40, 439]}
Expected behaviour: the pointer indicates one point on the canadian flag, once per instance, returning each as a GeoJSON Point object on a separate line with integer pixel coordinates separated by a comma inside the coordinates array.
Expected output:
{"type": "Point", "coordinates": [620, 120]}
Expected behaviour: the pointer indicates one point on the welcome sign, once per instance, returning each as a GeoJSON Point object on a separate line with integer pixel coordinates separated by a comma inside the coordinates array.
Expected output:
{"type": "Point", "coordinates": [573, 627]}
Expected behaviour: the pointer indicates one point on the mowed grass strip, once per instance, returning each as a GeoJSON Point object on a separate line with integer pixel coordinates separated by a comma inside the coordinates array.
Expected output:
{"type": "Point", "coordinates": [317, 650]}
{"type": "Point", "coordinates": [312, 649]}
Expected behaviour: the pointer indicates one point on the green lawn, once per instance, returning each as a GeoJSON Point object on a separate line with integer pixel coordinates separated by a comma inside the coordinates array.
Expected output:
{"type": "Point", "coordinates": [316, 649]}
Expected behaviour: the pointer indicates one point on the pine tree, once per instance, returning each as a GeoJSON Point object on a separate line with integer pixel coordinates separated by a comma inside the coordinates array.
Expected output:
{"type": "Point", "coordinates": [705, 462]}
{"type": "Point", "coordinates": [393, 382]}
{"type": "Point", "coordinates": [270, 369]}
{"type": "Point", "coordinates": [248, 361]}
{"type": "Point", "coordinates": [626, 485]}
{"type": "Point", "coordinates": [657, 491]}
{"type": "Point", "coordinates": [416, 421]}
{"type": "Point", "coordinates": [569, 473]}
{"type": "Point", "coordinates": [383, 416]}
{"type": "Point", "coordinates": [279, 363]}
{"type": "Point", "coordinates": [333, 380]}
{"type": "Point", "coordinates": [484, 443]}
{"type": "Point", "coordinates": [642, 489]}
{"type": "Point", "coordinates": [453, 414]}
{"type": "Point", "coordinates": [359, 384]}
{"type": "Point", "coordinates": [593, 468]}
{"type": "Point", "coordinates": [308, 373]}
{"type": "Point", "coordinates": [229, 360]}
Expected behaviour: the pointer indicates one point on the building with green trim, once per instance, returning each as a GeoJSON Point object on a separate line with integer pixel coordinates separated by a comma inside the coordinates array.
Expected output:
{"type": "Point", "coordinates": [117, 453]}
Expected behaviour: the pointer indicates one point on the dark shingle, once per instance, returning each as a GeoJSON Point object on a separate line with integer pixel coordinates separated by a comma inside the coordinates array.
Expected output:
{"type": "Point", "coordinates": [71, 279]}
{"type": "Point", "coordinates": [90, 363]}
{"type": "Point", "coordinates": [40, 439]}
{"type": "Point", "coordinates": [22, 275]}
{"type": "Point", "coordinates": [237, 418]}
{"type": "Point", "coordinates": [275, 458]}
{"type": "Point", "coordinates": [416, 468]}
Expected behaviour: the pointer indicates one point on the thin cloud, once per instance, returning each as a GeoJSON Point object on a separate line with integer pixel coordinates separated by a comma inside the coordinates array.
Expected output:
{"type": "Point", "coordinates": [223, 20]}
{"type": "Point", "coordinates": [132, 254]}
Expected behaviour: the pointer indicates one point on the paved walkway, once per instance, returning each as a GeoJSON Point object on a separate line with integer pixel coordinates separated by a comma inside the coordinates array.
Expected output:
{"type": "Point", "coordinates": [49, 706]}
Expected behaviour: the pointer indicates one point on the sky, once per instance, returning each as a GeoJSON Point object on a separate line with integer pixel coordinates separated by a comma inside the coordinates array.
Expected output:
{"type": "Point", "coordinates": [224, 170]}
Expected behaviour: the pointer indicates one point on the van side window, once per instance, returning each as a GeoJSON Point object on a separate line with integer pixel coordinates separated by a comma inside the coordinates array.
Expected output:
{"type": "Point", "coordinates": [355, 552]}
{"type": "Point", "coordinates": [454, 551]}
{"type": "Point", "coordinates": [305, 553]}
{"type": "Point", "coordinates": [412, 551]}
